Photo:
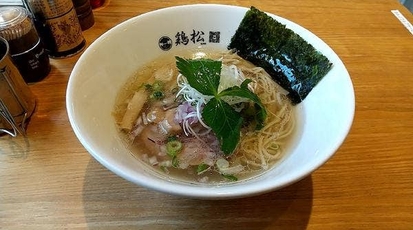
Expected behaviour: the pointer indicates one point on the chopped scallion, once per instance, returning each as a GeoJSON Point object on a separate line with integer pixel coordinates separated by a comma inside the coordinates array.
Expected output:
{"type": "Point", "coordinates": [173, 148]}
{"type": "Point", "coordinates": [230, 177]}
{"type": "Point", "coordinates": [175, 162]}
{"type": "Point", "coordinates": [202, 168]}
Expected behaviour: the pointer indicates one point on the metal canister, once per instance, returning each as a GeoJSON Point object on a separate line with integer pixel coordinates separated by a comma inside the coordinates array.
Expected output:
{"type": "Point", "coordinates": [26, 48]}
{"type": "Point", "coordinates": [58, 26]}
{"type": "Point", "coordinates": [17, 103]}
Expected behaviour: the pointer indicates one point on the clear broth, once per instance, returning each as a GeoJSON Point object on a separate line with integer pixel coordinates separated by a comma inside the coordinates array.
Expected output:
{"type": "Point", "coordinates": [138, 150]}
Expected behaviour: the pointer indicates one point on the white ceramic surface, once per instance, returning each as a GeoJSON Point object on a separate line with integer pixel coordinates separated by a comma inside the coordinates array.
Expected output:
{"type": "Point", "coordinates": [327, 113]}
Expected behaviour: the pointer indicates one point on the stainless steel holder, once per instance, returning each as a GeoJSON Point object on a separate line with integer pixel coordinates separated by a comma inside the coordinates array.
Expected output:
{"type": "Point", "coordinates": [16, 128]}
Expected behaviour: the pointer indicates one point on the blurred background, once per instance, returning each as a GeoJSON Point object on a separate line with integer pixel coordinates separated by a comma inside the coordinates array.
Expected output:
{"type": "Point", "coordinates": [407, 3]}
{"type": "Point", "coordinates": [93, 3]}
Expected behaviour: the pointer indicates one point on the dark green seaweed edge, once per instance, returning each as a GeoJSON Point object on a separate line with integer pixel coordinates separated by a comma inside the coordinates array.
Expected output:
{"type": "Point", "coordinates": [290, 60]}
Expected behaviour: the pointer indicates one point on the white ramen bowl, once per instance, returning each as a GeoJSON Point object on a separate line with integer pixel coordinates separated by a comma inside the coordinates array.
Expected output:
{"type": "Point", "coordinates": [326, 114]}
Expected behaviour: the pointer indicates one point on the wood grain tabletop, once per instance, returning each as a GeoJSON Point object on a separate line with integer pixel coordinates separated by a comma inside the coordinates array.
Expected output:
{"type": "Point", "coordinates": [49, 181]}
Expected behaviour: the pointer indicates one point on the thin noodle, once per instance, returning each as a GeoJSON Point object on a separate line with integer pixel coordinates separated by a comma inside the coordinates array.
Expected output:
{"type": "Point", "coordinates": [260, 149]}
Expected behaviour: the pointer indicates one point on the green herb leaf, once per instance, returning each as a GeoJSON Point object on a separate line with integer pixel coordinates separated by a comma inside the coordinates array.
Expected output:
{"type": "Point", "coordinates": [244, 92]}
{"type": "Point", "coordinates": [202, 74]}
{"type": "Point", "coordinates": [225, 122]}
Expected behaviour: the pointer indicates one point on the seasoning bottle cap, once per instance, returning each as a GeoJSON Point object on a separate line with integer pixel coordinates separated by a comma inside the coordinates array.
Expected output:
{"type": "Point", "coordinates": [14, 22]}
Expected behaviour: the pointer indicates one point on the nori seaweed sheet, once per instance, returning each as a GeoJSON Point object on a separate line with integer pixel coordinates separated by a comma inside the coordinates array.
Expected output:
{"type": "Point", "coordinates": [291, 61]}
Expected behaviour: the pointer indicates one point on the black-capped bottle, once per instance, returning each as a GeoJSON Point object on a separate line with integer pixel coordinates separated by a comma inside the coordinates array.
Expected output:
{"type": "Point", "coordinates": [58, 26]}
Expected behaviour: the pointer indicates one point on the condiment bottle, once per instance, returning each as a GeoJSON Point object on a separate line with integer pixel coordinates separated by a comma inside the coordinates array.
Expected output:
{"type": "Point", "coordinates": [58, 26]}
{"type": "Point", "coordinates": [84, 13]}
{"type": "Point", "coordinates": [96, 3]}
{"type": "Point", "coordinates": [26, 48]}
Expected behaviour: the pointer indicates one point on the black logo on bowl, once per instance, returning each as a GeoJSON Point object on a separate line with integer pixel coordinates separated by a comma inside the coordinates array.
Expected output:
{"type": "Point", "coordinates": [214, 37]}
{"type": "Point", "coordinates": [165, 43]}
{"type": "Point", "coordinates": [184, 38]}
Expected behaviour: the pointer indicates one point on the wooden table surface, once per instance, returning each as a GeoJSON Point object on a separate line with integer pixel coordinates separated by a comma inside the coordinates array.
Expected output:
{"type": "Point", "coordinates": [49, 181]}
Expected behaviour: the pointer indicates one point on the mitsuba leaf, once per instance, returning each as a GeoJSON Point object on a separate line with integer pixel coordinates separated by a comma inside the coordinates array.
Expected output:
{"type": "Point", "coordinates": [202, 74]}
{"type": "Point", "coordinates": [225, 122]}
{"type": "Point", "coordinates": [244, 92]}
